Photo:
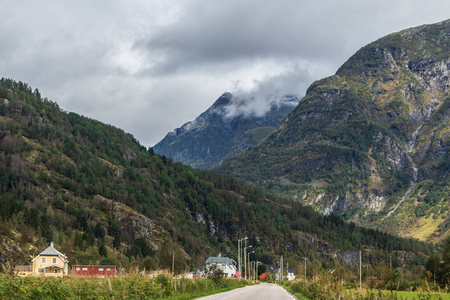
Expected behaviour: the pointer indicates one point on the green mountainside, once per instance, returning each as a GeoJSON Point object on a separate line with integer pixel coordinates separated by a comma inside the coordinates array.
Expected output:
{"type": "Point", "coordinates": [370, 143]}
{"type": "Point", "coordinates": [103, 198]}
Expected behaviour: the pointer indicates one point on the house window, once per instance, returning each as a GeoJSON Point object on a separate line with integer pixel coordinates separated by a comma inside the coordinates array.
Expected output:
{"type": "Point", "coordinates": [41, 270]}
{"type": "Point", "coordinates": [108, 269]}
{"type": "Point", "coordinates": [224, 267]}
{"type": "Point", "coordinates": [100, 269]}
{"type": "Point", "coordinates": [56, 270]}
{"type": "Point", "coordinates": [43, 260]}
{"type": "Point", "coordinates": [54, 260]}
{"type": "Point", "coordinates": [84, 269]}
{"type": "Point", "coordinates": [78, 269]}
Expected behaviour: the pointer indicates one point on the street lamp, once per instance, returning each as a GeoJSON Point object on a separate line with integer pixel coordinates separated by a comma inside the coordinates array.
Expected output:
{"type": "Point", "coordinates": [252, 264]}
{"type": "Point", "coordinates": [279, 269]}
{"type": "Point", "coordinates": [360, 273]}
{"type": "Point", "coordinates": [256, 271]}
{"type": "Point", "coordinates": [249, 267]}
{"type": "Point", "coordinates": [245, 260]}
{"type": "Point", "coordinates": [240, 255]}
{"type": "Point", "coordinates": [305, 267]}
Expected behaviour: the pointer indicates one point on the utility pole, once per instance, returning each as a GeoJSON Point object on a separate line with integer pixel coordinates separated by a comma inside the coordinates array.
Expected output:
{"type": "Point", "coordinates": [173, 262]}
{"type": "Point", "coordinates": [360, 275]}
{"type": "Point", "coordinates": [245, 258]}
{"type": "Point", "coordinates": [245, 262]}
{"type": "Point", "coordinates": [257, 271]}
{"type": "Point", "coordinates": [249, 264]}
{"type": "Point", "coordinates": [239, 258]}
{"type": "Point", "coordinates": [287, 270]}
{"type": "Point", "coordinates": [240, 255]}
{"type": "Point", "coordinates": [281, 268]}
{"type": "Point", "coordinates": [253, 269]}
{"type": "Point", "coordinates": [305, 267]}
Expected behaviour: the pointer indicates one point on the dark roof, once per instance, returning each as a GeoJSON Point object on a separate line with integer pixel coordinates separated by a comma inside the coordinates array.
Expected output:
{"type": "Point", "coordinates": [276, 269]}
{"type": "Point", "coordinates": [272, 268]}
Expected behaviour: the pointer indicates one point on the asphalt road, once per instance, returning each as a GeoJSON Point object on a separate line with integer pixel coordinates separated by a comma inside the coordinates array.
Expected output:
{"type": "Point", "coordinates": [260, 291]}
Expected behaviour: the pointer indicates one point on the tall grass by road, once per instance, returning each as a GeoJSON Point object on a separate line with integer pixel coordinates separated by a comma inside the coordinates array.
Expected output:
{"type": "Point", "coordinates": [123, 287]}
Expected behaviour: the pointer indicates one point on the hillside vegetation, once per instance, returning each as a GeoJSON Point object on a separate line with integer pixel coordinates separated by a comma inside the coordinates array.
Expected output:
{"type": "Point", "coordinates": [104, 198]}
{"type": "Point", "coordinates": [370, 143]}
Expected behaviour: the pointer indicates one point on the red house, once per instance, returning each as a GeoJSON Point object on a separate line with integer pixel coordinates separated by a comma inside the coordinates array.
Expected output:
{"type": "Point", "coordinates": [97, 271]}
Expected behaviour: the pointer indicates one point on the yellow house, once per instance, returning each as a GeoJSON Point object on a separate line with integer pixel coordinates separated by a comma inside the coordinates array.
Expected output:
{"type": "Point", "coordinates": [50, 262]}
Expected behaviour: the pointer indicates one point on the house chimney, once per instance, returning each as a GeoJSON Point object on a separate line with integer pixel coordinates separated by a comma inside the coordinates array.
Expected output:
{"type": "Point", "coordinates": [51, 244]}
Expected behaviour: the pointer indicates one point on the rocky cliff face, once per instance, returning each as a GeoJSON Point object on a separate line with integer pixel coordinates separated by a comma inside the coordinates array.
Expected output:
{"type": "Point", "coordinates": [372, 142]}
{"type": "Point", "coordinates": [221, 132]}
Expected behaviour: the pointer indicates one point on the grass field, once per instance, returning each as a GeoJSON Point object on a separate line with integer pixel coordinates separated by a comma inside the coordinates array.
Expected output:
{"type": "Point", "coordinates": [321, 288]}
{"type": "Point", "coordinates": [377, 294]}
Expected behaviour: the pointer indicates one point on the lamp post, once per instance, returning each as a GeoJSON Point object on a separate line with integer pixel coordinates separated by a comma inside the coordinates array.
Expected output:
{"type": "Point", "coordinates": [305, 268]}
{"type": "Point", "coordinates": [240, 255]}
{"type": "Point", "coordinates": [360, 273]}
{"type": "Point", "coordinates": [249, 265]}
{"type": "Point", "coordinates": [281, 269]}
{"type": "Point", "coordinates": [278, 263]}
{"type": "Point", "coordinates": [256, 271]}
{"type": "Point", "coordinates": [245, 260]}
{"type": "Point", "coordinates": [173, 262]}
{"type": "Point", "coordinates": [253, 269]}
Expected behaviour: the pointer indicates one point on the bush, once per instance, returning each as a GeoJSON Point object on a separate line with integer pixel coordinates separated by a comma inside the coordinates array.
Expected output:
{"type": "Point", "coordinates": [215, 273]}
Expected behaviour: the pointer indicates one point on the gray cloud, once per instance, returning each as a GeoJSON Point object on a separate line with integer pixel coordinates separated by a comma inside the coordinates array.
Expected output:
{"type": "Point", "coordinates": [242, 32]}
{"type": "Point", "coordinates": [269, 92]}
{"type": "Point", "coordinates": [150, 66]}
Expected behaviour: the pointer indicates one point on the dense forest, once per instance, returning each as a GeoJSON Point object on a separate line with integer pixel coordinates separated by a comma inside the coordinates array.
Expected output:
{"type": "Point", "coordinates": [104, 198]}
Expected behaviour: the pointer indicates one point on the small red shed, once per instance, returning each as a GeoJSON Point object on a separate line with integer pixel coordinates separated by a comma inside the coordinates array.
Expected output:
{"type": "Point", "coordinates": [96, 271]}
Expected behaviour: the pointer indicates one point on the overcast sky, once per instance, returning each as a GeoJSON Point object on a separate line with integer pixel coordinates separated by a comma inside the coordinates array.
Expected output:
{"type": "Point", "coordinates": [150, 66]}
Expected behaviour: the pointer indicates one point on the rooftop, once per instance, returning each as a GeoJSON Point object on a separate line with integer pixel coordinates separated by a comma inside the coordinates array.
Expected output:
{"type": "Point", "coordinates": [220, 259]}
{"type": "Point", "coordinates": [51, 251]}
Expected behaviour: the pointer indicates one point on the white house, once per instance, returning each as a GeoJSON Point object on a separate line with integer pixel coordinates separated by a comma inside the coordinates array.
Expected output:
{"type": "Point", "coordinates": [289, 274]}
{"type": "Point", "coordinates": [227, 265]}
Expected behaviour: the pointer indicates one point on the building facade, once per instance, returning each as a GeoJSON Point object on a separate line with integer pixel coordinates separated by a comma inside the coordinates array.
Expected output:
{"type": "Point", "coordinates": [94, 271]}
{"type": "Point", "coordinates": [227, 265]}
{"type": "Point", "coordinates": [50, 262]}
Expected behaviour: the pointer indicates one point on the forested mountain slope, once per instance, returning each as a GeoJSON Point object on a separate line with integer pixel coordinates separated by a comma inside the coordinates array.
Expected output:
{"type": "Point", "coordinates": [370, 143]}
{"type": "Point", "coordinates": [103, 198]}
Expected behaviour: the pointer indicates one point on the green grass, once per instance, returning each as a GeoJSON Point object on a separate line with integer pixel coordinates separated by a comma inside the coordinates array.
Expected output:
{"type": "Point", "coordinates": [325, 287]}
{"type": "Point", "coordinates": [374, 294]}
{"type": "Point", "coordinates": [383, 294]}
{"type": "Point", "coordinates": [195, 295]}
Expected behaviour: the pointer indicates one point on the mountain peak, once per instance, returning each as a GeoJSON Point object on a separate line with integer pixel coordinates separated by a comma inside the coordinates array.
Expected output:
{"type": "Point", "coordinates": [229, 126]}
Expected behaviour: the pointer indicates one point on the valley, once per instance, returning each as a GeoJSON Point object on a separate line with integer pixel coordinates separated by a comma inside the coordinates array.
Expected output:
{"type": "Point", "coordinates": [350, 182]}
